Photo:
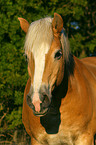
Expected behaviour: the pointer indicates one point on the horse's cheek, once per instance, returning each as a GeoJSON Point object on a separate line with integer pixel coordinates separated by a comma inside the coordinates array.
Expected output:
{"type": "Point", "coordinates": [60, 75]}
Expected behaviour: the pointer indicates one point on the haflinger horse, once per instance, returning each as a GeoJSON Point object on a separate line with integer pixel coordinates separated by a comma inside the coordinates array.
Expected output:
{"type": "Point", "coordinates": [59, 106]}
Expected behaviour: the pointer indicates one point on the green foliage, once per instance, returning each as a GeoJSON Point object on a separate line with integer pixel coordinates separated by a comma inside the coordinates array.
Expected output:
{"type": "Point", "coordinates": [14, 119]}
{"type": "Point", "coordinates": [13, 66]}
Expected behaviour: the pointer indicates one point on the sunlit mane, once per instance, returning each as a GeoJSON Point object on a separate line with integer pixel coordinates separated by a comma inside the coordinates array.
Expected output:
{"type": "Point", "coordinates": [40, 32]}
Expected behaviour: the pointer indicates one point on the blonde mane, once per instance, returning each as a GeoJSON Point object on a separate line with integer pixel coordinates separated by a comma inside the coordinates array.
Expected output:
{"type": "Point", "coordinates": [40, 32]}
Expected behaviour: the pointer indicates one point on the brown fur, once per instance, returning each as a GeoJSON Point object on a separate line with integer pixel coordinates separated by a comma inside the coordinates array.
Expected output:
{"type": "Point", "coordinates": [72, 84]}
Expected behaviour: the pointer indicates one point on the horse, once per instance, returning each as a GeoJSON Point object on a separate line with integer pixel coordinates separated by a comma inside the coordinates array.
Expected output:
{"type": "Point", "coordinates": [59, 106]}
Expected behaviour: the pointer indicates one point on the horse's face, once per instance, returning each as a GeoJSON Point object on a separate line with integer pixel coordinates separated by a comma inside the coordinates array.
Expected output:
{"type": "Point", "coordinates": [46, 70]}
{"type": "Point", "coordinates": [39, 97]}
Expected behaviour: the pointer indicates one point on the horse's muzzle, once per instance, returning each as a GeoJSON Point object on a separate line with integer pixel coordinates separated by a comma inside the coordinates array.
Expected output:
{"type": "Point", "coordinates": [39, 102]}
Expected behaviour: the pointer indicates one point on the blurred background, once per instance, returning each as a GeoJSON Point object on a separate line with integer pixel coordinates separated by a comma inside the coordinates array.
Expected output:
{"type": "Point", "coordinates": [80, 25]}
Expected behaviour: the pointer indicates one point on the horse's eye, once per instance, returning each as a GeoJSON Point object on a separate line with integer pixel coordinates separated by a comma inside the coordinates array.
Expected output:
{"type": "Point", "coordinates": [58, 54]}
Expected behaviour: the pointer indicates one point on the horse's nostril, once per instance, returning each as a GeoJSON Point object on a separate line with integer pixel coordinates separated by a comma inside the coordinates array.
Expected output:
{"type": "Point", "coordinates": [28, 98]}
{"type": "Point", "coordinates": [29, 101]}
{"type": "Point", "coordinates": [43, 97]}
{"type": "Point", "coordinates": [45, 101]}
{"type": "Point", "coordinates": [46, 98]}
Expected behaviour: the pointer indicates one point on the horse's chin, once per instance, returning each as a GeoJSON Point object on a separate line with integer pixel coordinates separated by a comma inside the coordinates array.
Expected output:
{"type": "Point", "coordinates": [41, 113]}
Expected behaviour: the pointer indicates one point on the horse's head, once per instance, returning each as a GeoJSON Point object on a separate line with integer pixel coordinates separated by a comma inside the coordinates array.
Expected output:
{"type": "Point", "coordinates": [44, 46]}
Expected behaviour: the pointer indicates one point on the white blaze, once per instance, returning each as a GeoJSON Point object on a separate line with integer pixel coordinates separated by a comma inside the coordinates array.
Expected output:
{"type": "Point", "coordinates": [39, 57]}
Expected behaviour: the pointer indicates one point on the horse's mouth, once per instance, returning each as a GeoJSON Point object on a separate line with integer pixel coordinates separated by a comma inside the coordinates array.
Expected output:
{"type": "Point", "coordinates": [41, 113]}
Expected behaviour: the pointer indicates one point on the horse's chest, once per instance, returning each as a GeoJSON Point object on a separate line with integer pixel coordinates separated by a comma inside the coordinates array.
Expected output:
{"type": "Point", "coordinates": [55, 139]}
{"type": "Point", "coordinates": [56, 133]}
{"type": "Point", "coordinates": [50, 140]}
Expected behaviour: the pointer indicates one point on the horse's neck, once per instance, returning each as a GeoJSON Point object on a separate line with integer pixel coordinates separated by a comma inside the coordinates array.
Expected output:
{"type": "Point", "coordinates": [73, 80]}
{"type": "Point", "coordinates": [77, 96]}
{"type": "Point", "coordinates": [76, 79]}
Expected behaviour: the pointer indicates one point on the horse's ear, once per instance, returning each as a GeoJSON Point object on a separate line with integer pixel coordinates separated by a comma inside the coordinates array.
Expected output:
{"type": "Point", "coordinates": [57, 23]}
{"type": "Point", "coordinates": [24, 24]}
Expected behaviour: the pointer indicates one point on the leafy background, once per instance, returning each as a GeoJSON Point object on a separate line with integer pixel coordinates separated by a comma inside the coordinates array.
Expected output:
{"type": "Point", "coordinates": [80, 25]}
